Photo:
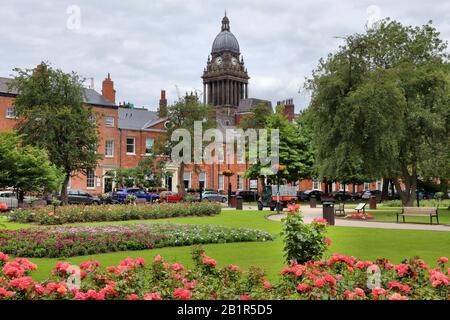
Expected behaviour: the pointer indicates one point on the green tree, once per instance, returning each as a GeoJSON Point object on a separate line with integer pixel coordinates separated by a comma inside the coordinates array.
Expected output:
{"type": "Point", "coordinates": [147, 174]}
{"type": "Point", "coordinates": [295, 149]}
{"type": "Point", "coordinates": [25, 168]}
{"type": "Point", "coordinates": [54, 118]}
{"type": "Point", "coordinates": [380, 106]}
{"type": "Point", "coordinates": [257, 118]}
{"type": "Point", "coordinates": [182, 115]}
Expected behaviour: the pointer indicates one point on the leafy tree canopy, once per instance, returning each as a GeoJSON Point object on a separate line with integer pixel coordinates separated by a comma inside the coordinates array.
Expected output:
{"type": "Point", "coordinates": [25, 168]}
{"type": "Point", "coordinates": [53, 117]}
{"type": "Point", "coordinates": [380, 106]}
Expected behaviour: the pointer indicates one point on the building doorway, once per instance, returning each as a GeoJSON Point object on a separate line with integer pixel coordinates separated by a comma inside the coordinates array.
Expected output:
{"type": "Point", "coordinates": [169, 183]}
{"type": "Point", "coordinates": [107, 185]}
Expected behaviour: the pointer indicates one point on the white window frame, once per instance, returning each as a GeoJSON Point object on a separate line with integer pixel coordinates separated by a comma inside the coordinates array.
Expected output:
{"type": "Point", "coordinates": [379, 185]}
{"type": "Point", "coordinates": [240, 182]}
{"type": "Point", "coordinates": [111, 154]}
{"type": "Point", "coordinates": [189, 180]}
{"type": "Point", "coordinates": [10, 113]}
{"type": "Point", "coordinates": [109, 121]}
{"type": "Point", "coordinates": [90, 177]}
{"type": "Point", "coordinates": [204, 180]}
{"type": "Point", "coordinates": [366, 186]}
{"type": "Point", "coordinates": [316, 184]}
{"type": "Point", "coordinates": [134, 146]}
{"type": "Point", "coordinates": [146, 146]}
{"type": "Point", "coordinates": [221, 156]}
{"type": "Point", "coordinates": [221, 182]}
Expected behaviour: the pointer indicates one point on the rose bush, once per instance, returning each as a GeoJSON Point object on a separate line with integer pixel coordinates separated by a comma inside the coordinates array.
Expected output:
{"type": "Point", "coordinates": [53, 242]}
{"type": "Point", "coordinates": [75, 214]}
{"type": "Point", "coordinates": [337, 278]}
{"type": "Point", "coordinates": [303, 242]}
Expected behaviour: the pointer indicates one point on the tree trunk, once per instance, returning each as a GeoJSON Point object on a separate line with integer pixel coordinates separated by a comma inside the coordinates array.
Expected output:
{"type": "Point", "coordinates": [385, 191]}
{"type": "Point", "coordinates": [64, 197]}
{"type": "Point", "coordinates": [181, 190]}
{"type": "Point", "coordinates": [20, 198]}
{"type": "Point", "coordinates": [408, 195]}
{"type": "Point", "coordinates": [444, 186]}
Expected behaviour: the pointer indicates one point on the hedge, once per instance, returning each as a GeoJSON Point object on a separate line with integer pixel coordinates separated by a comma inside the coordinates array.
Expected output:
{"type": "Point", "coordinates": [79, 214]}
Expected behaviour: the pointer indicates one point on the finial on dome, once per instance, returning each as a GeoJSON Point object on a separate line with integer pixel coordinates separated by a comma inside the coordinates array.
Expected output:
{"type": "Point", "coordinates": [225, 23]}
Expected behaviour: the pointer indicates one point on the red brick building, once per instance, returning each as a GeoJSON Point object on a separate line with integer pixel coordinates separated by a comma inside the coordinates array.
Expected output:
{"type": "Point", "coordinates": [127, 135]}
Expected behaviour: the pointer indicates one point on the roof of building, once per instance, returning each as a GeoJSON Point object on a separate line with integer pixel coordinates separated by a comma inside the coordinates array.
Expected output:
{"type": "Point", "coordinates": [4, 86]}
{"type": "Point", "coordinates": [137, 119]}
{"type": "Point", "coordinates": [93, 97]}
{"type": "Point", "coordinates": [90, 96]}
{"type": "Point", "coordinates": [245, 105]}
{"type": "Point", "coordinates": [225, 40]}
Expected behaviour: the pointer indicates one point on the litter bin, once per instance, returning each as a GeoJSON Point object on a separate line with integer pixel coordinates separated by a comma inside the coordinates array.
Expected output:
{"type": "Point", "coordinates": [373, 203]}
{"type": "Point", "coordinates": [239, 203]}
{"type": "Point", "coordinates": [232, 202]}
{"type": "Point", "coordinates": [313, 202]}
{"type": "Point", "coordinates": [328, 212]}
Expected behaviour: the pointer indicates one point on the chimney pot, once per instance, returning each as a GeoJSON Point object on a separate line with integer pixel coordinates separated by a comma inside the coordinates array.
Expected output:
{"type": "Point", "coordinates": [108, 91]}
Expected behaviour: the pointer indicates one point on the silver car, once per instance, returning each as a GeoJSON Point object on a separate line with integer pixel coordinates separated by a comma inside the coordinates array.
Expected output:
{"type": "Point", "coordinates": [213, 196]}
{"type": "Point", "coordinates": [10, 199]}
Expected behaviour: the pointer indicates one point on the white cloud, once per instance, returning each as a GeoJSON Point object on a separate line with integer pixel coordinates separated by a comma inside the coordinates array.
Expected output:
{"type": "Point", "coordinates": [152, 45]}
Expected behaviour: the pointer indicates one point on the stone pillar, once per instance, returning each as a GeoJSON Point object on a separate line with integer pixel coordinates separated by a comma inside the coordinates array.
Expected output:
{"type": "Point", "coordinates": [232, 92]}
{"type": "Point", "coordinates": [204, 93]}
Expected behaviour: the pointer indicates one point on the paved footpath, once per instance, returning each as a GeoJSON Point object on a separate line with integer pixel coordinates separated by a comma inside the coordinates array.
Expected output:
{"type": "Point", "coordinates": [310, 214]}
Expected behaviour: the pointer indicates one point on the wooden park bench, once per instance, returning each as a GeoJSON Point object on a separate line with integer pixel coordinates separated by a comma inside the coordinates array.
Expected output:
{"type": "Point", "coordinates": [419, 212]}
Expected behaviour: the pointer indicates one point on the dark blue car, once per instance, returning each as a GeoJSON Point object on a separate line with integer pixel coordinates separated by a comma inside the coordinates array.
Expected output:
{"type": "Point", "coordinates": [121, 195]}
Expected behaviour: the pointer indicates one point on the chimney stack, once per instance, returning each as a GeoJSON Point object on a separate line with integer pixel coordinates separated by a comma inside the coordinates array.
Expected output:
{"type": "Point", "coordinates": [108, 91]}
{"type": "Point", "coordinates": [289, 109]}
{"type": "Point", "coordinates": [162, 110]}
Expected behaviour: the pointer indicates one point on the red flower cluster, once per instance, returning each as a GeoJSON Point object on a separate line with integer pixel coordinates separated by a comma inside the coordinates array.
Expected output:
{"type": "Point", "coordinates": [320, 221]}
{"type": "Point", "coordinates": [340, 277]}
{"type": "Point", "coordinates": [18, 268]}
{"type": "Point", "coordinates": [210, 262]}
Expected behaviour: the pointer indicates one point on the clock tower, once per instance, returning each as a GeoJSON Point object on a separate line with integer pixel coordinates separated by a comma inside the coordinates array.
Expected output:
{"type": "Point", "coordinates": [225, 78]}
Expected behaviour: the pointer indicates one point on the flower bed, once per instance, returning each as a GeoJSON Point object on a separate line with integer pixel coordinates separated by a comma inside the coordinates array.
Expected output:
{"type": "Point", "coordinates": [76, 214]}
{"type": "Point", "coordinates": [360, 216]}
{"type": "Point", "coordinates": [55, 242]}
{"type": "Point", "coordinates": [338, 278]}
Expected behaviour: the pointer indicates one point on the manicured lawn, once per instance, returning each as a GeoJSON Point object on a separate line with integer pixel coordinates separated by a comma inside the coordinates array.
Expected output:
{"type": "Point", "coordinates": [390, 215]}
{"type": "Point", "coordinates": [360, 242]}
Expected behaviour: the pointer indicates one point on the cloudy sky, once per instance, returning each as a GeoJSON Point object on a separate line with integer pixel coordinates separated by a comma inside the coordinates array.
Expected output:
{"type": "Point", "coordinates": [160, 44]}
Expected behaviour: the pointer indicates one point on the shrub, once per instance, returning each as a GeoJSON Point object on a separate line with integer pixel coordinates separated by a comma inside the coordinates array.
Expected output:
{"type": "Point", "coordinates": [303, 242]}
{"type": "Point", "coordinates": [76, 241]}
{"type": "Point", "coordinates": [76, 214]}
{"type": "Point", "coordinates": [338, 278]}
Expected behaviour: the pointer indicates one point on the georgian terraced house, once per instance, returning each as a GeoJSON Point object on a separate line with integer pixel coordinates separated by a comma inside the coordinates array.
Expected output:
{"type": "Point", "coordinates": [127, 135]}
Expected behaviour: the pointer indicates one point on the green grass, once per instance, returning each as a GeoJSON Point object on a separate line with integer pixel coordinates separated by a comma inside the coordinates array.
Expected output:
{"type": "Point", "coordinates": [390, 215]}
{"type": "Point", "coordinates": [360, 242]}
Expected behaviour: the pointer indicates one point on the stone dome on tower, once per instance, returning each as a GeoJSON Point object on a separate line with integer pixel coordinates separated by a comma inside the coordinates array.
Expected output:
{"type": "Point", "coordinates": [225, 40]}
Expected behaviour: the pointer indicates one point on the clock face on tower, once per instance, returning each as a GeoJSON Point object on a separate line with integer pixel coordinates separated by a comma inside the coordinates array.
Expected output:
{"type": "Point", "coordinates": [234, 61]}
{"type": "Point", "coordinates": [219, 61]}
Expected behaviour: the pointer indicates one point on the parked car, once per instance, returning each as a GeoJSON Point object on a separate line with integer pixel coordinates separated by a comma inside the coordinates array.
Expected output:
{"type": "Point", "coordinates": [248, 196]}
{"type": "Point", "coordinates": [170, 197]}
{"type": "Point", "coordinates": [306, 195]}
{"type": "Point", "coordinates": [368, 194]}
{"type": "Point", "coordinates": [214, 196]}
{"type": "Point", "coordinates": [342, 196]}
{"type": "Point", "coordinates": [122, 194]}
{"type": "Point", "coordinates": [76, 197]}
{"type": "Point", "coordinates": [10, 199]}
